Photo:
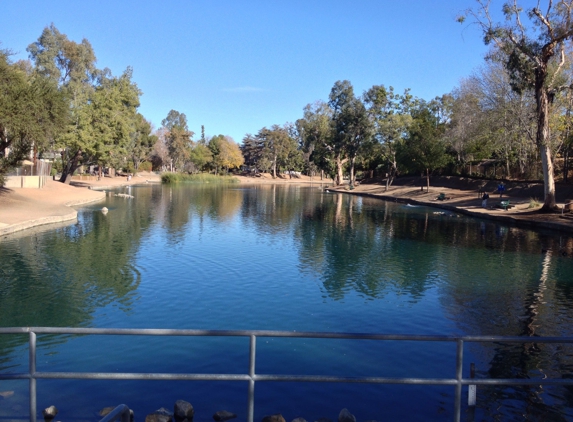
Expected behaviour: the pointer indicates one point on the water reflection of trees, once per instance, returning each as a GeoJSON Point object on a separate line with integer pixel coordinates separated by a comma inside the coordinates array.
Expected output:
{"type": "Point", "coordinates": [521, 287]}
{"type": "Point", "coordinates": [493, 280]}
{"type": "Point", "coordinates": [61, 277]}
{"type": "Point", "coordinates": [176, 206]}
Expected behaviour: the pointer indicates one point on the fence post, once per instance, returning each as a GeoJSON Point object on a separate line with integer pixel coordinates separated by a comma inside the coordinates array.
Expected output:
{"type": "Point", "coordinates": [252, 350]}
{"type": "Point", "coordinates": [459, 372]}
{"type": "Point", "coordinates": [472, 387]}
{"type": "Point", "coordinates": [32, 371]}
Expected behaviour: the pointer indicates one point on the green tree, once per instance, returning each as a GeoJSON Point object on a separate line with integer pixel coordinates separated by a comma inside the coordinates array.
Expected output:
{"type": "Point", "coordinates": [72, 67]}
{"type": "Point", "coordinates": [178, 137]}
{"type": "Point", "coordinates": [32, 113]}
{"type": "Point", "coordinates": [111, 116]}
{"type": "Point", "coordinates": [278, 148]}
{"type": "Point", "coordinates": [141, 142]}
{"type": "Point", "coordinates": [251, 149]}
{"type": "Point", "coordinates": [341, 95]}
{"type": "Point", "coordinates": [314, 133]}
{"type": "Point", "coordinates": [102, 107]}
{"type": "Point", "coordinates": [200, 155]}
{"type": "Point", "coordinates": [351, 128]}
{"type": "Point", "coordinates": [390, 114]}
{"type": "Point", "coordinates": [355, 123]}
{"type": "Point", "coordinates": [423, 148]}
{"type": "Point", "coordinates": [214, 146]}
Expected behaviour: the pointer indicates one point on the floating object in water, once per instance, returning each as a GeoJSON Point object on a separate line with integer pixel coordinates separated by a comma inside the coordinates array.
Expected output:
{"type": "Point", "coordinates": [104, 210]}
{"type": "Point", "coordinates": [439, 213]}
{"type": "Point", "coordinates": [123, 195]}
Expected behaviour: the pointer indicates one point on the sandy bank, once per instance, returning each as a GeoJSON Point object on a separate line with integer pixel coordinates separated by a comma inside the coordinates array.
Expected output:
{"type": "Point", "coordinates": [21, 209]}
{"type": "Point", "coordinates": [468, 202]}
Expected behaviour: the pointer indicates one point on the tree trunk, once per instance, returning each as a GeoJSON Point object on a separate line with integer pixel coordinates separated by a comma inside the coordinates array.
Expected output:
{"type": "Point", "coordinates": [566, 165]}
{"type": "Point", "coordinates": [428, 180]}
{"type": "Point", "coordinates": [542, 138]}
{"type": "Point", "coordinates": [70, 168]}
{"type": "Point", "coordinates": [391, 173]}
{"type": "Point", "coordinates": [351, 181]}
{"type": "Point", "coordinates": [339, 176]}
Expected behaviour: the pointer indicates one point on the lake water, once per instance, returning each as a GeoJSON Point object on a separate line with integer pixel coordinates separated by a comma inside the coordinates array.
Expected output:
{"type": "Point", "coordinates": [285, 258]}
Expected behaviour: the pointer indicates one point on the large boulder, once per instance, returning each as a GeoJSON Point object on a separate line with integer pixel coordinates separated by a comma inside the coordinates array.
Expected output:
{"type": "Point", "coordinates": [107, 410]}
{"type": "Point", "coordinates": [274, 418]}
{"type": "Point", "coordinates": [183, 411]}
{"type": "Point", "coordinates": [223, 415]}
{"type": "Point", "coordinates": [346, 416]}
{"type": "Point", "coordinates": [160, 415]}
{"type": "Point", "coordinates": [50, 413]}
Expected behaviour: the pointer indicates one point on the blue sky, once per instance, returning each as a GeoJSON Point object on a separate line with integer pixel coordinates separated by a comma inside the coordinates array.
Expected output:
{"type": "Point", "coordinates": [237, 66]}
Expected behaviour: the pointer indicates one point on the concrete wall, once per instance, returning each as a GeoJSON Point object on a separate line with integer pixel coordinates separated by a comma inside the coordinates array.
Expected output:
{"type": "Point", "coordinates": [29, 182]}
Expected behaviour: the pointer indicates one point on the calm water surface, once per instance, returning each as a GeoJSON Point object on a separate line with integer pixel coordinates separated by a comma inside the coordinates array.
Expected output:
{"type": "Point", "coordinates": [286, 258]}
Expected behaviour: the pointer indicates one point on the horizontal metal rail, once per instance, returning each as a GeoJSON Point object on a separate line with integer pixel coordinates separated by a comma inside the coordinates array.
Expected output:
{"type": "Point", "coordinates": [251, 377]}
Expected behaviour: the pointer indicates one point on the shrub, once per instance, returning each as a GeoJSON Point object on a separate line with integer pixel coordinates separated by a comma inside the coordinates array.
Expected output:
{"type": "Point", "coordinates": [145, 166]}
{"type": "Point", "coordinates": [534, 203]}
{"type": "Point", "coordinates": [129, 167]}
{"type": "Point", "coordinates": [196, 178]}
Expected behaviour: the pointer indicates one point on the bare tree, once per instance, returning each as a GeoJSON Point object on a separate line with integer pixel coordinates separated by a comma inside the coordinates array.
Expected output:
{"type": "Point", "coordinates": [535, 54]}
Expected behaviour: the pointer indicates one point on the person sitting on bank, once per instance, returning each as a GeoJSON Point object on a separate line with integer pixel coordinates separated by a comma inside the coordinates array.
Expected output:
{"type": "Point", "coordinates": [484, 199]}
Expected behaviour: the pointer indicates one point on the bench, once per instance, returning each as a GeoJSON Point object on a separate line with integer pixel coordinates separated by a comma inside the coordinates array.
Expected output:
{"type": "Point", "coordinates": [505, 204]}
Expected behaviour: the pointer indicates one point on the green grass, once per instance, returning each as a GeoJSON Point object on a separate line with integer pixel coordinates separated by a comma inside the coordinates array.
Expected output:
{"type": "Point", "coordinates": [167, 178]}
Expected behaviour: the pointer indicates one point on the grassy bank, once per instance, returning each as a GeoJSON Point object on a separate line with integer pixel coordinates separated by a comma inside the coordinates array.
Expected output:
{"type": "Point", "coordinates": [167, 178]}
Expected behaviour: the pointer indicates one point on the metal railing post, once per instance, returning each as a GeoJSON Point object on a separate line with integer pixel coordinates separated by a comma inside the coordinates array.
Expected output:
{"type": "Point", "coordinates": [252, 350]}
{"type": "Point", "coordinates": [459, 372]}
{"type": "Point", "coordinates": [32, 371]}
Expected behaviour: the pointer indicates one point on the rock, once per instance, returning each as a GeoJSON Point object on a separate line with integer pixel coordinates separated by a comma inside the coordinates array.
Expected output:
{"type": "Point", "coordinates": [323, 420]}
{"type": "Point", "coordinates": [223, 415]}
{"type": "Point", "coordinates": [50, 413]}
{"type": "Point", "coordinates": [274, 418]}
{"type": "Point", "coordinates": [160, 415]}
{"type": "Point", "coordinates": [346, 416]}
{"type": "Point", "coordinates": [107, 410]}
{"type": "Point", "coordinates": [299, 420]}
{"type": "Point", "coordinates": [183, 410]}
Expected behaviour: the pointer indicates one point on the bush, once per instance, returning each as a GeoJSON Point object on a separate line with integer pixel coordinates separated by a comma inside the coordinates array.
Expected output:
{"type": "Point", "coordinates": [129, 168]}
{"type": "Point", "coordinates": [534, 203]}
{"type": "Point", "coordinates": [196, 178]}
{"type": "Point", "coordinates": [145, 166]}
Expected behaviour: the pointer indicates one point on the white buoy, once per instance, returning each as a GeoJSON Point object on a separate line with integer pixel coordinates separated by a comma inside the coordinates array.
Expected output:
{"type": "Point", "coordinates": [104, 210]}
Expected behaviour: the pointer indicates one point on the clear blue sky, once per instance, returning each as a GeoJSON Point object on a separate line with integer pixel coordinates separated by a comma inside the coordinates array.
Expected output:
{"type": "Point", "coordinates": [236, 66]}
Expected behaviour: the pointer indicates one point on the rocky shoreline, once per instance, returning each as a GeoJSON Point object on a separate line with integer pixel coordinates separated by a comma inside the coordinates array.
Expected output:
{"type": "Point", "coordinates": [183, 411]}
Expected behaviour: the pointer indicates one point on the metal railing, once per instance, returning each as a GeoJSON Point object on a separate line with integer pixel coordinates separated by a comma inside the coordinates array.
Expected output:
{"type": "Point", "coordinates": [251, 377]}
